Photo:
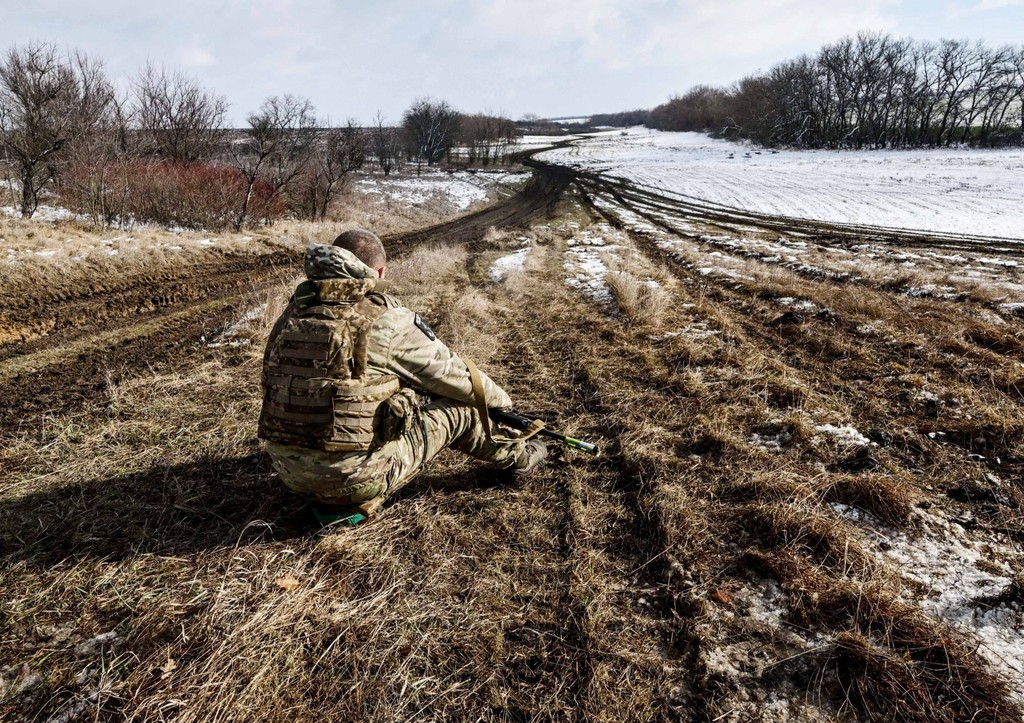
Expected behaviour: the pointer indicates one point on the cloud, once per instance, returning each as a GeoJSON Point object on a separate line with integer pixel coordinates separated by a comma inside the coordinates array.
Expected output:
{"type": "Point", "coordinates": [572, 56]}
{"type": "Point", "coordinates": [617, 34]}
{"type": "Point", "coordinates": [983, 5]}
{"type": "Point", "coordinates": [196, 58]}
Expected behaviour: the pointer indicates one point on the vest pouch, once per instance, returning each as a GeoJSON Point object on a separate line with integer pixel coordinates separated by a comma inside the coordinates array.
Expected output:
{"type": "Point", "coordinates": [357, 407]}
{"type": "Point", "coordinates": [296, 411]}
{"type": "Point", "coordinates": [398, 414]}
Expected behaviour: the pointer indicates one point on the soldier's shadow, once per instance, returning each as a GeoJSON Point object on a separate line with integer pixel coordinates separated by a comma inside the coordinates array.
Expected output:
{"type": "Point", "coordinates": [167, 510]}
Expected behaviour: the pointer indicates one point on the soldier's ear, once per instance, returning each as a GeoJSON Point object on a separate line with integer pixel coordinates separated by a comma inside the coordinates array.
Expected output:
{"type": "Point", "coordinates": [380, 272]}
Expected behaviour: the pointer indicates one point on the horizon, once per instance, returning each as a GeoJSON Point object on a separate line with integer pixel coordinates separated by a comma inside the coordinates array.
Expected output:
{"type": "Point", "coordinates": [581, 58]}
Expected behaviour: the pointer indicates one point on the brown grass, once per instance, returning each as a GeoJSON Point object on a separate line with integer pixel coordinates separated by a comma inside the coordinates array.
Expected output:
{"type": "Point", "coordinates": [639, 301]}
{"type": "Point", "coordinates": [629, 587]}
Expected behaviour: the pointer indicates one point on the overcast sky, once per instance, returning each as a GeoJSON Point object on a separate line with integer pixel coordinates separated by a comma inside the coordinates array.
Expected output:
{"type": "Point", "coordinates": [549, 57]}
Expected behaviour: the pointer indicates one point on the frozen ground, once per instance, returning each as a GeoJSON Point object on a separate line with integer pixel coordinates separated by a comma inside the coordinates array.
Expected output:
{"type": "Point", "coordinates": [965, 579]}
{"type": "Point", "coordinates": [461, 189]}
{"type": "Point", "coordinates": [956, 191]}
{"type": "Point", "coordinates": [585, 262]}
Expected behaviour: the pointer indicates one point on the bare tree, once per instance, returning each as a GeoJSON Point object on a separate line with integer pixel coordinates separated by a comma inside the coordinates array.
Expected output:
{"type": "Point", "coordinates": [275, 148]}
{"type": "Point", "coordinates": [1018, 82]}
{"type": "Point", "coordinates": [47, 101]}
{"type": "Point", "coordinates": [431, 127]}
{"type": "Point", "coordinates": [487, 137]}
{"type": "Point", "coordinates": [386, 144]}
{"type": "Point", "coordinates": [95, 181]}
{"type": "Point", "coordinates": [869, 90]}
{"type": "Point", "coordinates": [179, 118]}
{"type": "Point", "coordinates": [338, 152]}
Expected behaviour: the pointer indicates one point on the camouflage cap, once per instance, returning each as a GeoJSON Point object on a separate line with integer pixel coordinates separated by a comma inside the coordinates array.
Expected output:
{"type": "Point", "coordinates": [330, 262]}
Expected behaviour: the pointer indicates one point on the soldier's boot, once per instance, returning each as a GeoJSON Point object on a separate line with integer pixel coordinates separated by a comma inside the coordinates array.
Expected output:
{"type": "Point", "coordinates": [346, 515]}
{"type": "Point", "coordinates": [530, 457]}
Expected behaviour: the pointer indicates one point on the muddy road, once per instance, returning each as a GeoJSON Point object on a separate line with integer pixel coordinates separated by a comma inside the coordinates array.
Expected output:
{"type": "Point", "coordinates": [62, 345]}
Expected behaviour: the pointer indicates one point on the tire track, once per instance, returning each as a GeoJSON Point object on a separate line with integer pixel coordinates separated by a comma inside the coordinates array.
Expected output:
{"type": "Point", "coordinates": [97, 332]}
{"type": "Point", "coordinates": [616, 534]}
{"type": "Point", "coordinates": [692, 209]}
{"type": "Point", "coordinates": [750, 346]}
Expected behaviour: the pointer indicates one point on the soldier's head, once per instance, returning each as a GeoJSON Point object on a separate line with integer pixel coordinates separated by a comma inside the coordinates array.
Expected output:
{"type": "Point", "coordinates": [367, 248]}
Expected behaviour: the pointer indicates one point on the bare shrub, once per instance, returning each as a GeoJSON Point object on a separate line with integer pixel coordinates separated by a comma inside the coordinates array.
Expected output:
{"type": "Point", "coordinates": [277, 145]}
{"type": "Point", "coordinates": [193, 195]}
{"type": "Point", "coordinates": [386, 144]}
{"type": "Point", "coordinates": [338, 153]}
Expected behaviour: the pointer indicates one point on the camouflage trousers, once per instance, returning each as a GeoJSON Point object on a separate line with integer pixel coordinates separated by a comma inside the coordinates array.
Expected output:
{"type": "Point", "coordinates": [345, 478]}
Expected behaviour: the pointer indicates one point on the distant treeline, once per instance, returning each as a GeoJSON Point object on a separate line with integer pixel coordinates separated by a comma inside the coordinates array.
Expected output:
{"type": "Point", "coordinates": [621, 120]}
{"type": "Point", "coordinates": [872, 91]}
{"type": "Point", "coordinates": [159, 151]}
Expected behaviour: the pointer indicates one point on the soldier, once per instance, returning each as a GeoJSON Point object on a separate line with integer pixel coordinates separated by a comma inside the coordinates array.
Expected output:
{"type": "Point", "coordinates": [343, 374]}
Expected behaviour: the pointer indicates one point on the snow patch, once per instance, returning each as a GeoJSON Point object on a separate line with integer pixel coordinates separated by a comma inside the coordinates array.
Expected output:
{"type": "Point", "coordinates": [956, 191]}
{"type": "Point", "coordinates": [462, 189]}
{"type": "Point", "coordinates": [797, 304]}
{"type": "Point", "coordinates": [506, 265]}
{"type": "Point", "coordinates": [44, 213]}
{"type": "Point", "coordinates": [963, 577]}
{"type": "Point", "coordinates": [228, 337]}
{"type": "Point", "coordinates": [1005, 263]}
{"type": "Point", "coordinates": [697, 330]}
{"type": "Point", "coordinates": [844, 435]}
{"type": "Point", "coordinates": [585, 267]}
{"type": "Point", "coordinates": [771, 442]}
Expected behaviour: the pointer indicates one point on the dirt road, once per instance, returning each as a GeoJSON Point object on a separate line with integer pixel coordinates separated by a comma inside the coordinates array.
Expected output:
{"type": "Point", "coordinates": [62, 345]}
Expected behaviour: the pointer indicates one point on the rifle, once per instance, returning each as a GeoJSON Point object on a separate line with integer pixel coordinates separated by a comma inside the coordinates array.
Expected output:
{"type": "Point", "coordinates": [518, 421]}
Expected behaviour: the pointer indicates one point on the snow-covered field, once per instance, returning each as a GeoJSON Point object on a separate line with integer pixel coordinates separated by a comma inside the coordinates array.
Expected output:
{"type": "Point", "coordinates": [461, 189]}
{"type": "Point", "coordinates": [953, 191]}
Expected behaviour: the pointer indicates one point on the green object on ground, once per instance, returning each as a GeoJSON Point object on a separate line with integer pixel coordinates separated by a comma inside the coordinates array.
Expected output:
{"type": "Point", "coordinates": [340, 517]}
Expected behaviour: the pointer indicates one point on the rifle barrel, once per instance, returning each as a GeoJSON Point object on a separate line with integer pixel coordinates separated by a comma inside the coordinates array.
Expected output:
{"type": "Point", "coordinates": [518, 421]}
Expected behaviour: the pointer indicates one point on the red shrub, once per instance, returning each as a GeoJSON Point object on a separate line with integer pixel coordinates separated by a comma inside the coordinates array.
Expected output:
{"type": "Point", "coordinates": [196, 195]}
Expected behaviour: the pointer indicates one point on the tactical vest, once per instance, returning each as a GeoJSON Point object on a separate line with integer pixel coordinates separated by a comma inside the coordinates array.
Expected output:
{"type": "Point", "coordinates": [315, 390]}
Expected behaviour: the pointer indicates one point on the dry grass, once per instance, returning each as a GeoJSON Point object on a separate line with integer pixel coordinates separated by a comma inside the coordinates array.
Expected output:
{"type": "Point", "coordinates": [692, 572]}
{"type": "Point", "coordinates": [639, 301]}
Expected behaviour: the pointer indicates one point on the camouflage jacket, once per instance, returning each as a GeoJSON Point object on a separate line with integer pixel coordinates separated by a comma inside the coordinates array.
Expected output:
{"type": "Point", "coordinates": [400, 342]}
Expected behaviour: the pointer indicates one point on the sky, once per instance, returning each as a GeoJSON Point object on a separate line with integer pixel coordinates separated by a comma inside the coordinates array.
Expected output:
{"type": "Point", "coordinates": [552, 58]}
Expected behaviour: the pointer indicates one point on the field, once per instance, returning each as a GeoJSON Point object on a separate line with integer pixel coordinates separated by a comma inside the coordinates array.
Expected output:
{"type": "Point", "coordinates": [808, 506]}
{"type": "Point", "coordinates": [952, 192]}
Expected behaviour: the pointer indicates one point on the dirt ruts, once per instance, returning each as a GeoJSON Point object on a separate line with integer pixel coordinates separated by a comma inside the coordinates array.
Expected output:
{"type": "Point", "coordinates": [61, 347]}
{"type": "Point", "coordinates": [58, 313]}
{"type": "Point", "coordinates": [657, 205]}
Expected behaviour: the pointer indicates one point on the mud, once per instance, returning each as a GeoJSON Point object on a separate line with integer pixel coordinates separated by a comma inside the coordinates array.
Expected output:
{"type": "Point", "coordinates": [165, 313]}
{"type": "Point", "coordinates": [38, 318]}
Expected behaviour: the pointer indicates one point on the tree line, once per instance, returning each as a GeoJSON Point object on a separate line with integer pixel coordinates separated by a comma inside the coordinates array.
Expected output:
{"type": "Point", "coordinates": [867, 91]}
{"type": "Point", "coordinates": [161, 152]}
